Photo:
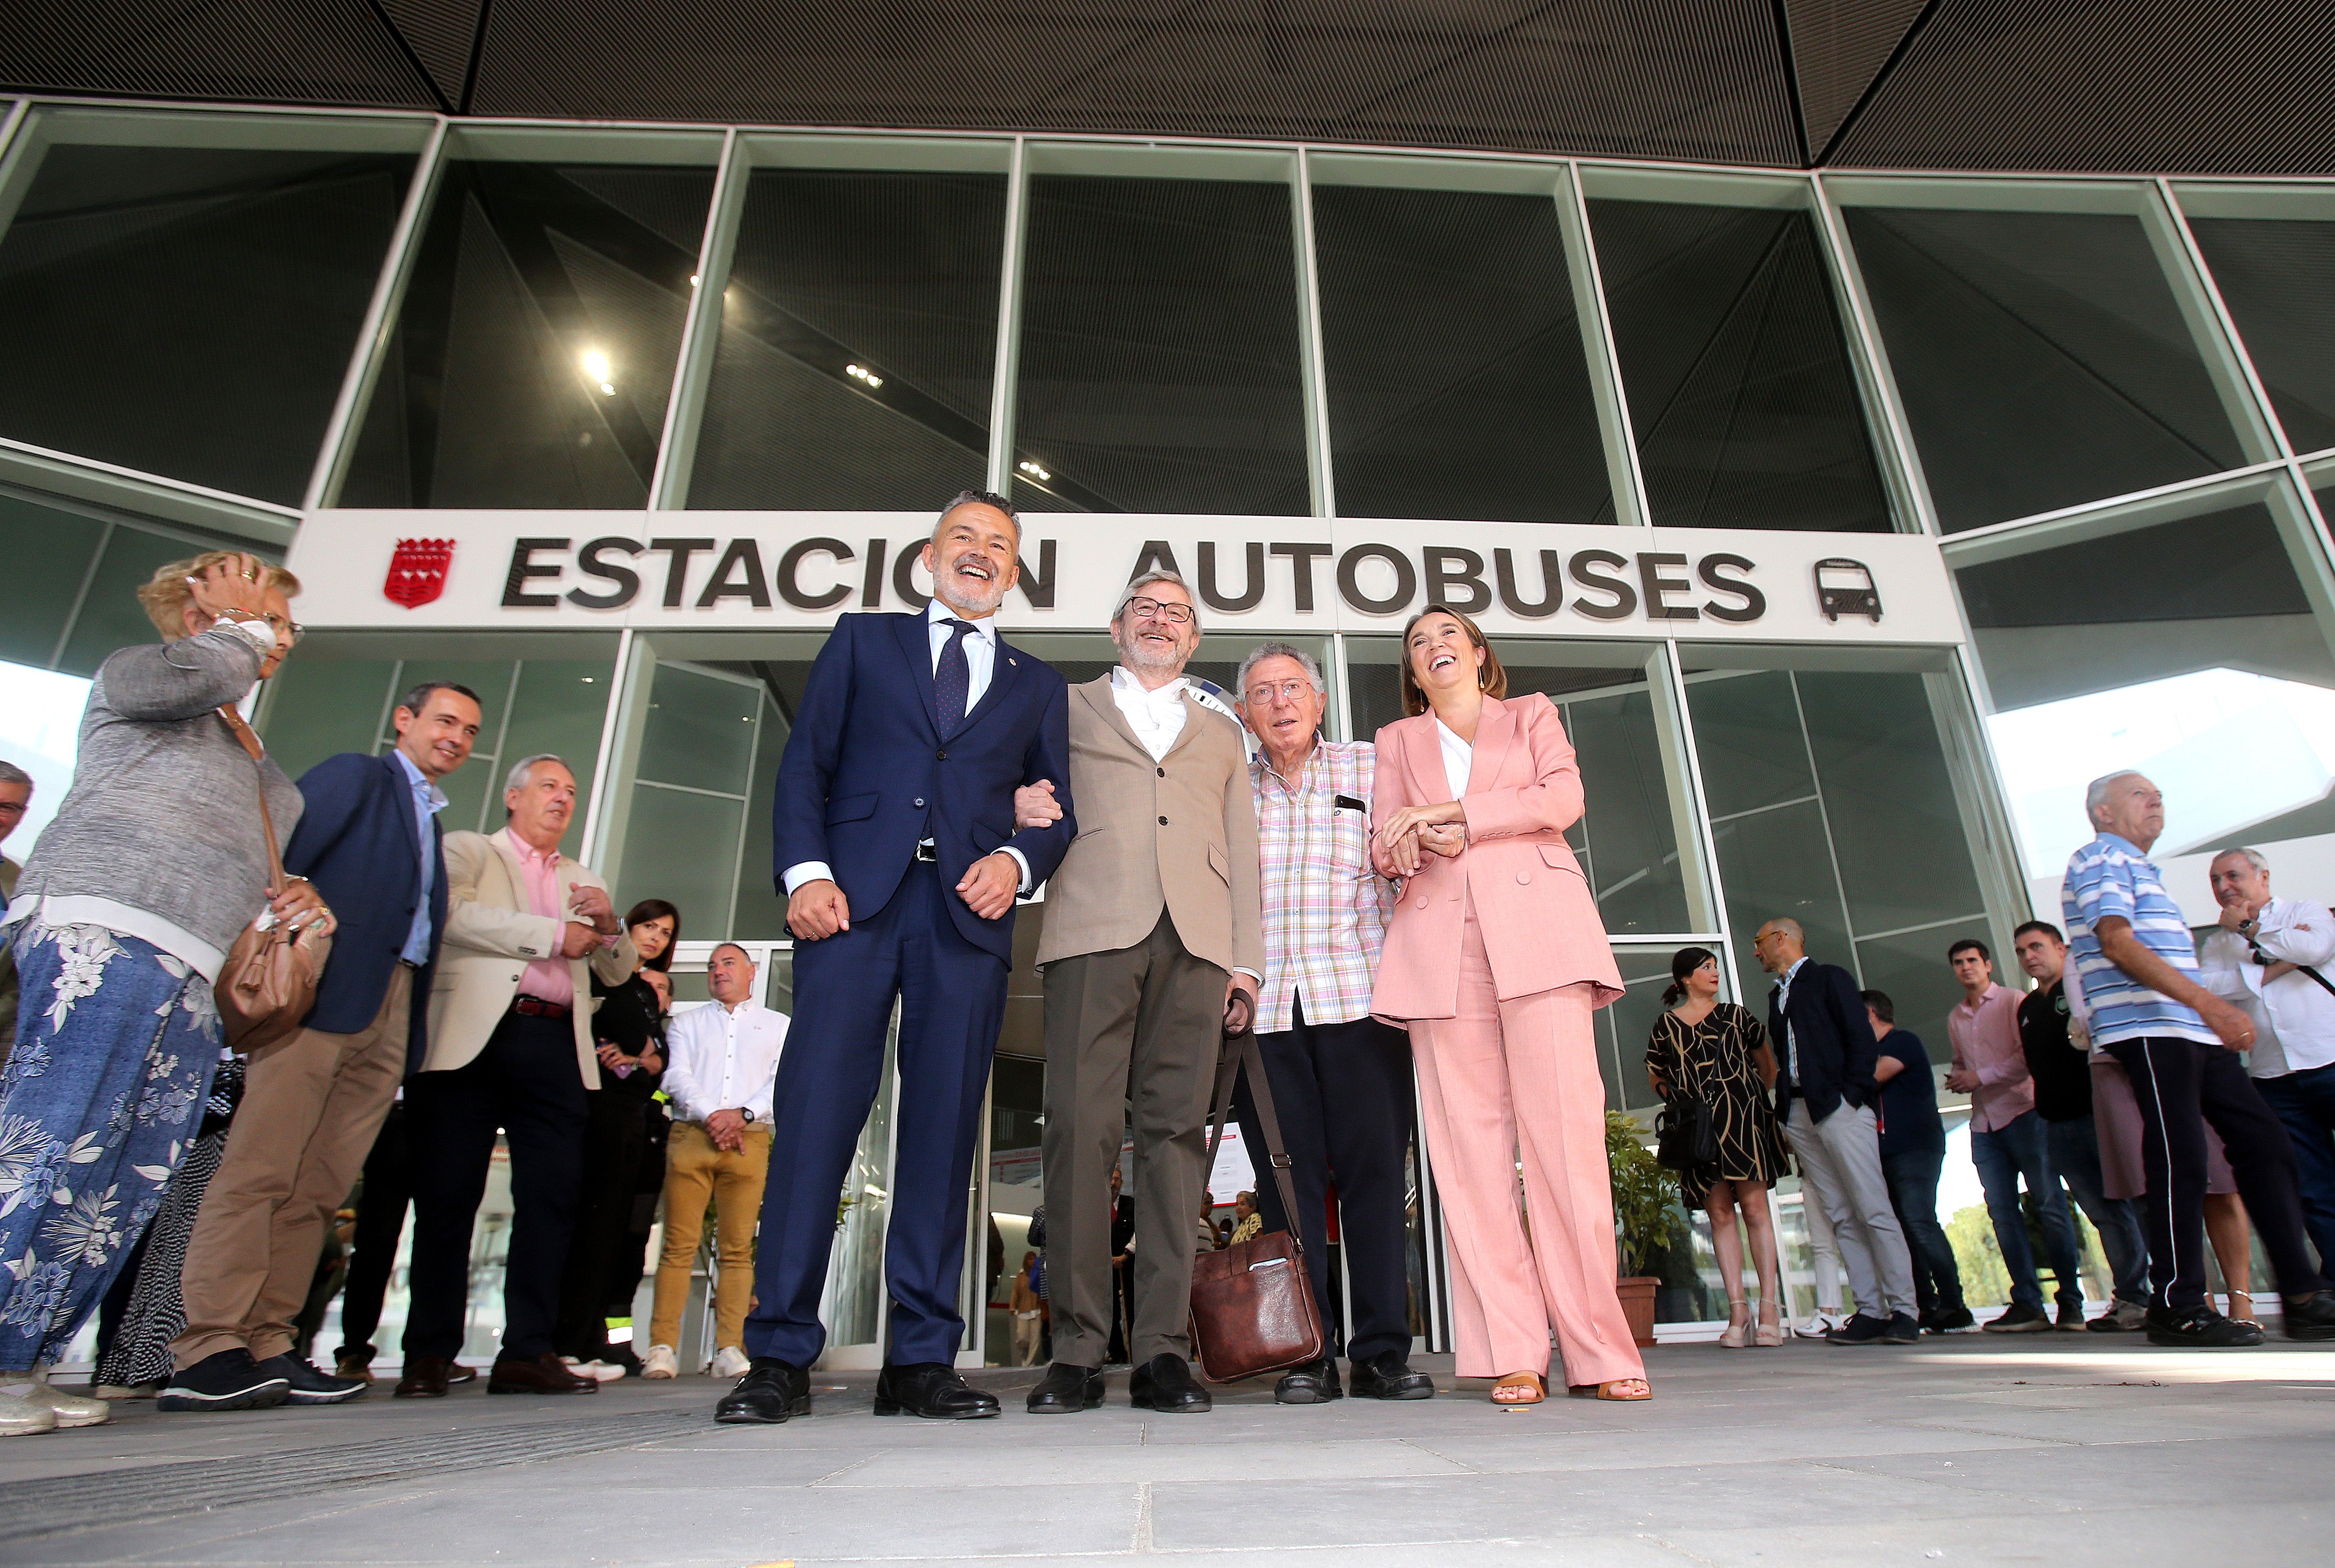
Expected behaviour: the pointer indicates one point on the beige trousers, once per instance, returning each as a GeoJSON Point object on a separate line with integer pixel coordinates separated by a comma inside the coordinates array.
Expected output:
{"type": "Point", "coordinates": [696, 1173]}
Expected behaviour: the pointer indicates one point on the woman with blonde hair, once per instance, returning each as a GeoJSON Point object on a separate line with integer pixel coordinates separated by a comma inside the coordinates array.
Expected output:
{"type": "Point", "coordinates": [120, 922]}
{"type": "Point", "coordinates": [1496, 959]}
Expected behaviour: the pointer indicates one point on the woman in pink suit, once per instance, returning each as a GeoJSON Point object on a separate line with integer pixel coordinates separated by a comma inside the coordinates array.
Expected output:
{"type": "Point", "coordinates": [1494, 959]}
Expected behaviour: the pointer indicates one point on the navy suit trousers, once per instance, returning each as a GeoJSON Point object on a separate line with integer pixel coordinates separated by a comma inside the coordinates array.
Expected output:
{"type": "Point", "coordinates": [952, 997]}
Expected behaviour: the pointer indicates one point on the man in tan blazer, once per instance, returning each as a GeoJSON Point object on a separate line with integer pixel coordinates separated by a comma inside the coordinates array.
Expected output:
{"type": "Point", "coordinates": [1153, 947]}
{"type": "Point", "coordinates": [510, 1048]}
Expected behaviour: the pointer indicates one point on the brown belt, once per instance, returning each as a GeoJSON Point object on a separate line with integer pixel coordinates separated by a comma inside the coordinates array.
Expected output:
{"type": "Point", "coordinates": [536, 1007]}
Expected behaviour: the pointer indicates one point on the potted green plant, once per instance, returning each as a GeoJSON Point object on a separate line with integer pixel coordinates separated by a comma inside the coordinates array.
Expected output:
{"type": "Point", "coordinates": [1643, 1220]}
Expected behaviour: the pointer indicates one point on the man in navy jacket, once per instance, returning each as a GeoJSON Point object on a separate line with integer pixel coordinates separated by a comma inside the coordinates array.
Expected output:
{"type": "Point", "coordinates": [1829, 1104]}
{"type": "Point", "coordinates": [899, 848]}
{"type": "Point", "coordinates": [371, 843]}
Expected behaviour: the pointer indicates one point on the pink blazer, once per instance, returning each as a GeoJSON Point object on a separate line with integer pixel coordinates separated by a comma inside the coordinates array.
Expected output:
{"type": "Point", "coordinates": [1540, 924]}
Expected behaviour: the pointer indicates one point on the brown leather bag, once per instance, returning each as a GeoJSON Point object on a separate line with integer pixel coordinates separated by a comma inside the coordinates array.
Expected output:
{"type": "Point", "coordinates": [1253, 1306]}
{"type": "Point", "coordinates": [269, 981]}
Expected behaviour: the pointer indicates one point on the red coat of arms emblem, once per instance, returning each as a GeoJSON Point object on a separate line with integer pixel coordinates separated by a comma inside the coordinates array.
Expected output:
{"type": "Point", "coordinates": [417, 571]}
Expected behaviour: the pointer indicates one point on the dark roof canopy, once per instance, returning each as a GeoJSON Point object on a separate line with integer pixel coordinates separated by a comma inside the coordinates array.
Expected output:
{"type": "Point", "coordinates": [2227, 86]}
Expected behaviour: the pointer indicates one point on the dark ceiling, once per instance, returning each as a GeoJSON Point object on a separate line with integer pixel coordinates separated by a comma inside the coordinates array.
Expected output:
{"type": "Point", "coordinates": [2173, 86]}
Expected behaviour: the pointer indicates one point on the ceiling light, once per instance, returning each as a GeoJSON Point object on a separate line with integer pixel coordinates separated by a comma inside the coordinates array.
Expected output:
{"type": "Point", "coordinates": [1033, 470]}
{"type": "Point", "coordinates": [692, 280]}
{"type": "Point", "coordinates": [862, 372]}
{"type": "Point", "coordinates": [596, 366]}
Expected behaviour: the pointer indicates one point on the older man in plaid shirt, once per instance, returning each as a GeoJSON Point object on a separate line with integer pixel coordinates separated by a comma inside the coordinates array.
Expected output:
{"type": "Point", "coordinates": [1341, 1080]}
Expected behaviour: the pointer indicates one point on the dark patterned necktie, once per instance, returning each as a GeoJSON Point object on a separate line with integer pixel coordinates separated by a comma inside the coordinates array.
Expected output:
{"type": "Point", "coordinates": [951, 679]}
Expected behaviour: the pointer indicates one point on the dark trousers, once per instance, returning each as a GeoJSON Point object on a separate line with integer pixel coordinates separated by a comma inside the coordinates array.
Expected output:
{"type": "Point", "coordinates": [2305, 1102]}
{"type": "Point", "coordinates": [525, 1082]}
{"type": "Point", "coordinates": [2076, 1161]}
{"type": "Point", "coordinates": [615, 1130]}
{"type": "Point", "coordinates": [2182, 1085]}
{"type": "Point", "coordinates": [381, 1220]}
{"type": "Point", "coordinates": [1344, 1096]}
{"type": "Point", "coordinates": [952, 997]}
{"type": "Point", "coordinates": [2021, 1148]}
{"type": "Point", "coordinates": [1912, 1178]}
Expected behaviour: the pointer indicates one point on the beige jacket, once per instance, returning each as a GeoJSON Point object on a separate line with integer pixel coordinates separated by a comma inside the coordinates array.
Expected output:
{"type": "Point", "coordinates": [492, 934]}
{"type": "Point", "coordinates": [1179, 835]}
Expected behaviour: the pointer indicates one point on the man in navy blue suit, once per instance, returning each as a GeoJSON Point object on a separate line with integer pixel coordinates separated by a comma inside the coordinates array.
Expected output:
{"type": "Point", "coordinates": [370, 841]}
{"type": "Point", "coordinates": [899, 849]}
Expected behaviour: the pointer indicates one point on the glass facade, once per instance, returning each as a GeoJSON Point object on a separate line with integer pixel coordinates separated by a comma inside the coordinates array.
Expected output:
{"type": "Point", "coordinates": [2103, 405]}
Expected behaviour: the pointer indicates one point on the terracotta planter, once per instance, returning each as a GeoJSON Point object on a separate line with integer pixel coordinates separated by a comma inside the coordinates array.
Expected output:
{"type": "Point", "coordinates": [1637, 1293]}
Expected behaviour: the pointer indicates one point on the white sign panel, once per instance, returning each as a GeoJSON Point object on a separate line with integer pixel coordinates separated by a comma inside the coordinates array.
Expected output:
{"type": "Point", "coordinates": [736, 571]}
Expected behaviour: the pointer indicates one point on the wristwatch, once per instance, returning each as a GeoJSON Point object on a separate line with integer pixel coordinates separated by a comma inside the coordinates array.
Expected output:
{"type": "Point", "coordinates": [746, 1111]}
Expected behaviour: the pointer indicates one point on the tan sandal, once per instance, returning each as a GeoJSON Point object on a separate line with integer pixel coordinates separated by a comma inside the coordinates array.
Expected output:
{"type": "Point", "coordinates": [1532, 1385]}
{"type": "Point", "coordinates": [1605, 1390]}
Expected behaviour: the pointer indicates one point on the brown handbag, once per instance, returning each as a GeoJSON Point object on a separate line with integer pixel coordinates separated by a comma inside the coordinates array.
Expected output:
{"type": "Point", "coordinates": [1253, 1306]}
{"type": "Point", "coordinates": [269, 981]}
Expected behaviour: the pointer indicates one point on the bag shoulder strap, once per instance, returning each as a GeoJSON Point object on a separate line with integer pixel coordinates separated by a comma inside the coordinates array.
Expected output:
{"type": "Point", "coordinates": [250, 743]}
{"type": "Point", "coordinates": [1241, 1050]}
{"type": "Point", "coordinates": [2264, 958]}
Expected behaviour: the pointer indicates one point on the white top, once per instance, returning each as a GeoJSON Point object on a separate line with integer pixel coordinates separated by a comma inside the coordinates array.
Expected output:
{"type": "Point", "coordinates": [980, 664]}
{"type": "Point", "coordinates": [1158, 716]}
{"type": "Point", "coordinates": [2293, 1016]}
{"type": "Point", "coordinates": [723, 1059]}
{"type": "Point", "coordinates": [1459, 759]}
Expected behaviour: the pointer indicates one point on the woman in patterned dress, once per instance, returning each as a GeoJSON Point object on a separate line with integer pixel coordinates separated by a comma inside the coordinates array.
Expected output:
{"type": "Point", "coordinates": [1716, 1052]}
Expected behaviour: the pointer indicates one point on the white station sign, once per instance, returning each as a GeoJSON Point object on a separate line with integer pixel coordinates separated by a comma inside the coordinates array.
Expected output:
{"type": "Point", "coordinates": [742, 571]}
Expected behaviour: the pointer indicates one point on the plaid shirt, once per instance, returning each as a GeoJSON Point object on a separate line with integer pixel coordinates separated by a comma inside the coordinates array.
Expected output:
{"type": "Point", "coordinates": [1326, 909]}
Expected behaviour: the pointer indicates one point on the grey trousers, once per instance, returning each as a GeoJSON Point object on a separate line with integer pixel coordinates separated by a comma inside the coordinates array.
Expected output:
{"type": "Point", "coordinates": [1840, 1167]}
{"type": "Point", "coordinates": [1135, 1026]}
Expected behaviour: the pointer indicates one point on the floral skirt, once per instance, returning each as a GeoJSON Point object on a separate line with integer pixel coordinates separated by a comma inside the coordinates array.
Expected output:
{"type": "Point", "coordinates": [116, 1041]}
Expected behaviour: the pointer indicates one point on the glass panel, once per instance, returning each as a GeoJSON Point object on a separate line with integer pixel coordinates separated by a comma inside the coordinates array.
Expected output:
{"type": "Point", "coordinates": [854, 1309]}
{"type": "Point", "coordinates": [111, 616]}
{"type": "Point", "coordinates": [48, 551]}
{"type": "Point", "coordinates": [2277, 275]}
{"type": "Point", "coordinates": [682, 848]}
{"type": "Point", "coordinates": [1159, 368]}
{"type": "Point", "coordinates": [321, 702]}
{"type": "Point", "coordinates": [2040, 356]}
{"type": "Point", "coordinates": [190, 311]}
{"type": "Point", "coordinates": [1623, 1029]}
{"type": "Point", "coordinates": [858, 331]}
{"type": "Point", "coordinates": [1741, 394]}
{"type": "Point", "coordinates": [534, 354]}
{"type": "Point", "coordinates": [762, 909]}
{"type": "Point", "coordinates": [556, 706]}
{"type": "Point", "coordinates": [700, 732]}
{"type": "Point", "coordinates": [1017, 1111]}
{"type": "Point", "coordinates": [1458, 382]}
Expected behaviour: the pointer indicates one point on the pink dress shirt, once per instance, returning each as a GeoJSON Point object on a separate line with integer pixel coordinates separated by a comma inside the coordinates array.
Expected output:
{"type": "Point", "coordinates": [547, 978]}
{"type": "Point", "coordinates": [1986, 1042]}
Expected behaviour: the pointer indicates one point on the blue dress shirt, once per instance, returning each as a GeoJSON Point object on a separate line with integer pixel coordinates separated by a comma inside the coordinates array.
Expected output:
{"type": "Point", "coordinates": [428, 801]}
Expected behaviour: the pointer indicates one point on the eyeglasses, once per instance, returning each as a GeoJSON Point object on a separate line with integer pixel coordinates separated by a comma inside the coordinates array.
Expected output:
{"type": "Point", "coordinates": [1288, 691]}
{"type": "Point", "coordinates": [280, 624]}
{"type": "Point", "coordinates": [1174, 615]}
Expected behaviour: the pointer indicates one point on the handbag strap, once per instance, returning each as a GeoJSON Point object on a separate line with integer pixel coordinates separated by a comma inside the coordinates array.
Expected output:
{"type": "Point", "coordinates": [2261, 957]}
{"type": "Point", "coordinates": [251, 742]}
{"type": "Point", "coordinates": [1239, 1051]}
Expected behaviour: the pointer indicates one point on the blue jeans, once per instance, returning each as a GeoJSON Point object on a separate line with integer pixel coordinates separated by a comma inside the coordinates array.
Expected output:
{"type": "Point", "coordinates": [2305, 1102]}
{"type": "Point", "coordinates": [116, 1041]}
{"type": "Point", "coordinates": [2003, 1156]}
{"type": "Point", "coordinates": [2075, 1159]}
{"type": "Point", "coordinates": [1912, 1178]}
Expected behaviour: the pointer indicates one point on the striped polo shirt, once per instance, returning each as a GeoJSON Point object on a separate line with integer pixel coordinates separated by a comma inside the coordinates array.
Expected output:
{"type": "Point", "coordinates": [2111, 876]}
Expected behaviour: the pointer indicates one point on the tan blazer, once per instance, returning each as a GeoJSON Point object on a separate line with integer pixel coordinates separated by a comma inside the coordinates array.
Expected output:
{"type": "Point", "coordinates": [1539, 922]}
{"type": "Point", "coordinates": [492, 934]}
{"type": "Point", "coordinates": [1179, 834]}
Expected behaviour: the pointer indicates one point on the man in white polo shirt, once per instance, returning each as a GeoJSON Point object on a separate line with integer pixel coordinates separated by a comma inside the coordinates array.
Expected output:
{"type": "Point", "coordinates": [721, 1061]}
{"type": "Point", "coordinates": [2137, 965]}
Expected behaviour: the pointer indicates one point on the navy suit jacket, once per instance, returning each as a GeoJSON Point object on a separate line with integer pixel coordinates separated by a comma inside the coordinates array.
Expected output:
{"type": "Point", "coordinates": [1837, 1050]}
{"type": "Point", "coordinates": [357, 842]}
{"type": "Point", "coordinates": [866, 773]}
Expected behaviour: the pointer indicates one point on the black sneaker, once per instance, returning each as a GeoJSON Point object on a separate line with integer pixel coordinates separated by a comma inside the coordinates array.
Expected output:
{"type": "Point", "coordinates": [1950, 1320]}
{"type": "Point", "coordinates": [308, 1385]}
{"type": "Point", "coordinates": [2020, 1320]}
{"type": "Point", "coordinates": [2312, 1318]}
{"type": "Point", "coordinates": [229, 1380]}
{"type": "Point", "coordinates": [1861, 1329]}
{"type": "Point", "coordinates": [2200, 1329]}
{"type": "Point", "coordinates": [2121, 1318]}
{"type": "Point", "coordinates": [1902, 1330]}
{"type": "Point", "coordinates": [2071, 1318]}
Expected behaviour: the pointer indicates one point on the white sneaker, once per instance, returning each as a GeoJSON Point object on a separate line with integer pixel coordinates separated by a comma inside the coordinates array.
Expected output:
{"type": "Point", "coordinates": [22, 1417]}
{"type": "Point", "coordinates": [602, 1371]}
{"type": "Point", "coordinates": [72, 1410]}
{"type": "Point", "coordinates": [660, 1362]}
{"type": "Point", "coordinates": [730, 1361]}
{"type": "Point", "coordinates": [1817, 1325]}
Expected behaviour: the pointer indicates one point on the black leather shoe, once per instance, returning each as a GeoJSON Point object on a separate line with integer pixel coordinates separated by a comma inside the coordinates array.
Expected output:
{"type": "Point", "coordinates": [2312, 1317]}
{"type": "Point", "coordinates": [1066, 1390]}
{"type": "Point", "coordinates": [1165, 1383]}
{"type": "Point", "coordinates": [1388, 1376]}
{"type": "Point", "coordinates": [770, 1391]}
{"type": "Point", "coordinates": [1315, 1383]}
{"type": "Point", "coordinates": [932, 1389]}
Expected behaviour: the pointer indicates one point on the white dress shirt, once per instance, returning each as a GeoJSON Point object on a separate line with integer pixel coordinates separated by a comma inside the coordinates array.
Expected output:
{"type": "Point", "coordinates": [1157, 716]}
{"type": "Point", "coordinates": [1784, 1012]}
{"type": "Point", "coordinates": [722, 1057]}
{"type": "Point", "coordinates": [980, 664]}
{"type": "Point", "coordinates": [1458, 758]}
{"type": "Point", "coordinates": [2293, 1015]}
